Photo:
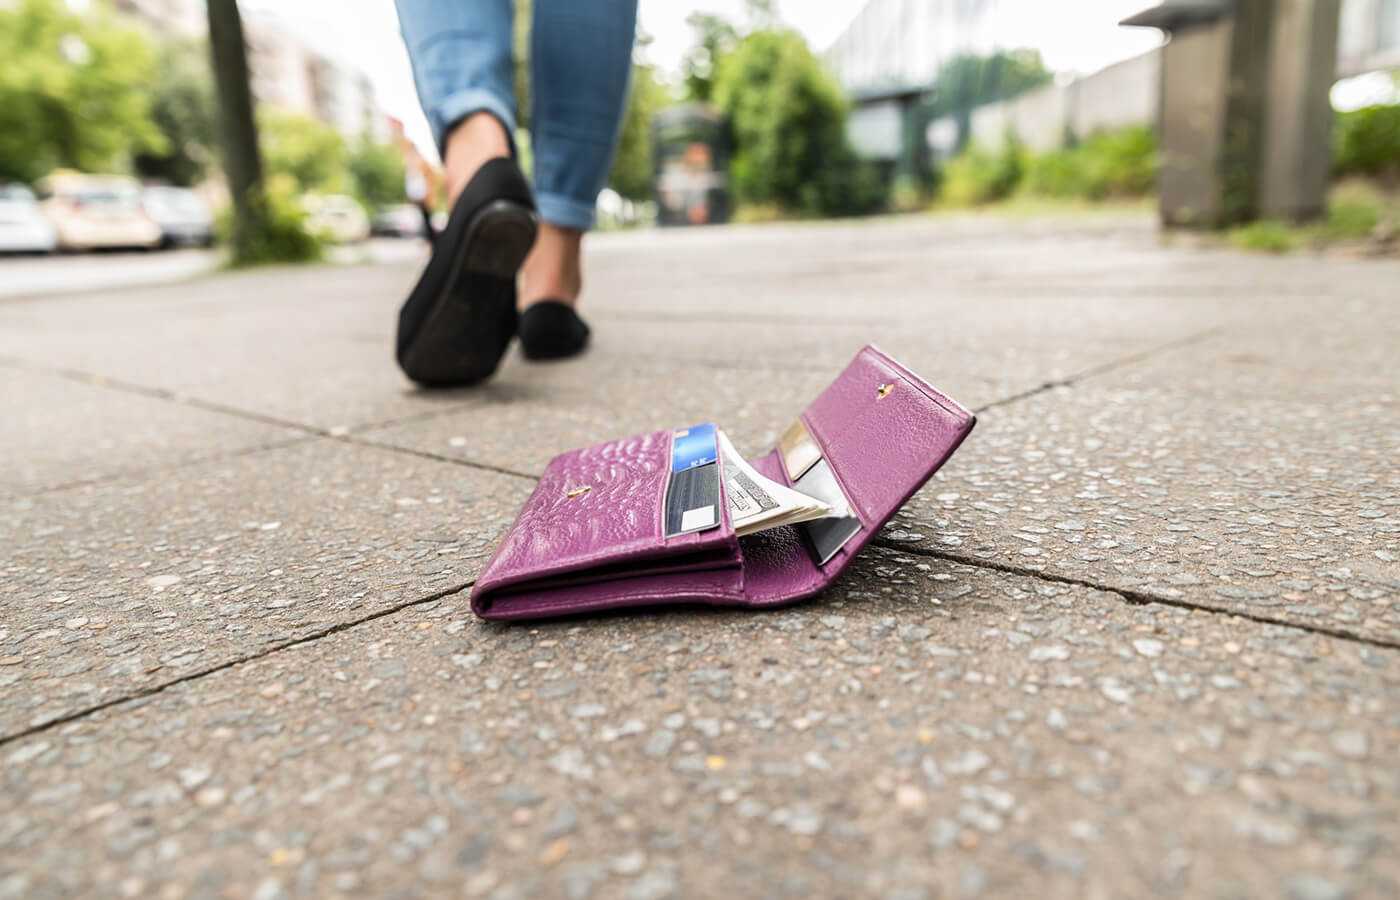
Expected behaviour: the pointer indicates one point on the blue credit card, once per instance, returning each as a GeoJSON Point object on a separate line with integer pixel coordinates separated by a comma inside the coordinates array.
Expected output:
{"type": "Point", "coordinates": [693, 447]}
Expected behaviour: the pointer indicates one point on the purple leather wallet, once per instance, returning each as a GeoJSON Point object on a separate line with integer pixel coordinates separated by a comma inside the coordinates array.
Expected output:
{"type": "Point", "coordinates": [592, 537]}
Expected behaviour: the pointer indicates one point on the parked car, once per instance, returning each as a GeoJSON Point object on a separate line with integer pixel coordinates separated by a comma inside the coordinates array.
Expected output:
{"type": "Point", "coordinates": [23, 228]}
{"type": "Point", "coordinates": [184, 217]}
{"type": "Point", "coordinates": [90, 211]}
{"type": "Point", "coordinates": [403, 220]}
{"type": "Point", "coordinates": [337, 216]}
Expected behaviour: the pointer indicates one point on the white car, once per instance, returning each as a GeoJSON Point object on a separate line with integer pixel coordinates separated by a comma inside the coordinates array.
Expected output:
{"type": "Point", "coordinates": [23, 228]}
{"type": "Point", "coordinates": [184, 217]}
{"type": "Point", "coordinates": [91, 211]}
{"type": "Point", "coordinates": [336, 216]}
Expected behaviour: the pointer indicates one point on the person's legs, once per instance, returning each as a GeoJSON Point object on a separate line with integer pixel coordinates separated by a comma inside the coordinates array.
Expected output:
{"type": "Point", "coordinates": [465, 76]}
{"type": "Point", "coordinates": [461, 315]}
{"type": "Point", "coordinates": [580, 62]}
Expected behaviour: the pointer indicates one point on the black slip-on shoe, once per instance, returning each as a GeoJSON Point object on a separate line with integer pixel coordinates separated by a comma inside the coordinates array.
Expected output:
{"type": "Point", "coordinates": [456, 324]}
{"type": "Point", "coordinates": [550, 329]}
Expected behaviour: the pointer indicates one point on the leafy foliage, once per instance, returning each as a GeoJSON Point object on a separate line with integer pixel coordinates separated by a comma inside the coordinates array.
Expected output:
{"type": "Point", "coordinates": [715, 37]}
{"type": "Point", "coordinates": [182, 106]}
{"type": "Point", "coordinates": [632, 167]}
{"type": "Point", "coordinates": [977, 176]}
{"type": "Point", "coordinates": [788, 116]}
{"type": "Point", "coordinates": [283, 235]}
{"type": "Point", "coordinates": [376, 173]}
{"type": "Point", "coordinates": [971, 80]}
{"type": "Point", "coordinates": [311, 153]}
{"type": "Point", "coordinates": [1119, 163]}
{"type": "Point", "coordinates": [1265, 237]}
{"type": "Point", "coordinates": [74, 91]}
{"type": "Point", "coordinates": [1367, 142]}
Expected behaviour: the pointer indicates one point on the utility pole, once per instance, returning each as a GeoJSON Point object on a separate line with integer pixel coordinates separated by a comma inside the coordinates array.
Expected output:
{"type": "Point", "coordinates": [237, 129]}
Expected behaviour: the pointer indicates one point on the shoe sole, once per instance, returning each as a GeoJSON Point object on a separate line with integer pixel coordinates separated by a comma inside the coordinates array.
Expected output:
{"type": "Point", "coordinates": [470, 324]}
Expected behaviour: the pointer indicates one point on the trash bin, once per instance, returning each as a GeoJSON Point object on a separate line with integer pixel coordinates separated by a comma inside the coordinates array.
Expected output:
{"type": "Point", "coordinates": [691, 151]}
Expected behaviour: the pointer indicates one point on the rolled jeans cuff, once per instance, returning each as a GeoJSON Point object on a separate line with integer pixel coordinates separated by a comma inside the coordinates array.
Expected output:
{"type": "Point", "coordinates": [566, 212]}
{"type": "Point", "coordinates": [456, 107]}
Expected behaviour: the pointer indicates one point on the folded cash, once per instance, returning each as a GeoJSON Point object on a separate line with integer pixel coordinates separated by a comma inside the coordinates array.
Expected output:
{"type": "Point", "coordinates": [757, 503]}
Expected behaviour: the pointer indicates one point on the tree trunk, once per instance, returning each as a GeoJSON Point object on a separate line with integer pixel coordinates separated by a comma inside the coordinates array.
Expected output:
{"type": "Point", "coordinates": [237, 129]}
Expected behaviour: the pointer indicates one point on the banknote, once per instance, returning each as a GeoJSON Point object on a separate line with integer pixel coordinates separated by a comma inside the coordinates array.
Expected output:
{"type": "Point", "coordinates": [757, 503]}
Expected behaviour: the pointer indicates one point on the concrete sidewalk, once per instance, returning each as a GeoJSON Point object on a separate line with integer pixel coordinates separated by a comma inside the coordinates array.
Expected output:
{"type": "Point", "coordinates": [1141, 636]}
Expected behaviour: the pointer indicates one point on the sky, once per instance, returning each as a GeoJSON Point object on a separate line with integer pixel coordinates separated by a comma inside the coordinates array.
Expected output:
{"type": "Point", "coordinates": [364, 33]}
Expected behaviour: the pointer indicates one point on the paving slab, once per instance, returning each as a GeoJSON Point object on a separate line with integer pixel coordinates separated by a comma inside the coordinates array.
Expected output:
{"type": "Point", "coordinates": [1254, 472]}
{"type": "Point", "coordinates": [311, 346]}
{"type": "Point", "coordinates": [119, 586]}
{"type": "Point", "coordinates": [924, 729]}
{"type": "Point", "coordinates": [60, 432]}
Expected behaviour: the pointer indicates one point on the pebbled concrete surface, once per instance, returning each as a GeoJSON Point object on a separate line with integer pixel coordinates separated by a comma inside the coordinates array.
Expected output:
{"type": "Point", "coordinates": [1138, 638]}
{"type": "Point", "coordinates": [1253, 473]}
{"type": "Point", "coordinates": [124, 585]}
{"type": "Point", "coordinates": [60, 432]}
{"type": "Point", "coordinates": [926, 727]}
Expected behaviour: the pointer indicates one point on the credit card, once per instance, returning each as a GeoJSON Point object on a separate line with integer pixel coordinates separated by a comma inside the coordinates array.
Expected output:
{"type": "Point", "coordinates": [693, 447]}
{"type": "Point", "coordinates": [693, 493]}
{"type": "Point", "coordinates": [799, 451]}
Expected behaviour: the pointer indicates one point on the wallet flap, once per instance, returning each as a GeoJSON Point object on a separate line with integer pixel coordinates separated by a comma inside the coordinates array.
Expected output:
{"type": "Point", "coordinates": [884, 432]}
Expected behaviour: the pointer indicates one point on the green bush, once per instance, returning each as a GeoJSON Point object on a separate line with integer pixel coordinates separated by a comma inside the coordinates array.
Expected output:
{"type": "Point", "coordinates": [1110, 164]}
{"type": "Point", "coordinates": [1119, 163]}
{"type": "Point", "coordinates": [284, 236]}
{"type": "Point", "coordinates": [1367, 142]}
{"type": "Point", "coordinates": [1265, 237]}
{"type": "Point", "coordinates": [1056, 174]}
{"type": "Point", "coordinates": [1351, 219]}
{"type": "Point", "coordinates": [787, 117]}
{"type": "Point", "coordinates": [978, 176]}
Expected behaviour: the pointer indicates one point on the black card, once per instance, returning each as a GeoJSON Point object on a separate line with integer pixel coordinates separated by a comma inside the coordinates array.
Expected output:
{"type": "Point", "coordinates": [827, 536]}
{"type": "Point", "coordinates": [692, 500]}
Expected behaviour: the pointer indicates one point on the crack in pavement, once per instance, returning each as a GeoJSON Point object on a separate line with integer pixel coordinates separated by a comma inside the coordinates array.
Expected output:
{"type": "Point", "coordinates": [154, 689]}
{"type": "Point", "coordinates": [311, 432]}
{"type": "Point", "coordinates": [1104, 368]}
{"type": "Point", "coordinates": [1131, 596]}
{"type": "Point", "coordinates": [147, 471]}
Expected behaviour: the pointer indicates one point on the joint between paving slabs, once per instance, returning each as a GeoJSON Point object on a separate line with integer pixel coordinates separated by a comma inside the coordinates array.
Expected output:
{"type": "Point", "coordinates": [345, 436]}
{"type": "Point", "coordinates": [1102, 369]}
{"type": "Point", "coordinates": [1129, 595]}
{"type": "Point", "coordinates": [154, 689]}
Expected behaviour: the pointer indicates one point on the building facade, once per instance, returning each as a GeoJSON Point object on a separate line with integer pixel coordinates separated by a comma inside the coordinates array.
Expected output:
{"type": "Point", "coordinates": [285, 73]}
{"type": "Point", "coordinates": [1370, 37]}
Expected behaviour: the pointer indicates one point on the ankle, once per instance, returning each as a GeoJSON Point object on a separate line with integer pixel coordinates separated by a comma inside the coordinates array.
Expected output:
{"type": "Point", "coordinates": [472, 141]}
{"type": "Point", "coordinates": [553, 270]}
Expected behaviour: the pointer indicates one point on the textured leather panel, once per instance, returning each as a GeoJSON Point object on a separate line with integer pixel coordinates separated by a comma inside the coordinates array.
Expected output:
{"type": "Point", "coordinates": [616, 525]}
{"type": "Point", "coordinates": [850, 393]}
{"type": "Point", "coordinates": [617, 520]}
{"type": "Point", "coordinates": [889, 444]}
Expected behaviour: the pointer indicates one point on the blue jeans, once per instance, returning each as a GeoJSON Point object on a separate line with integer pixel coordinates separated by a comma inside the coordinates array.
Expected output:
{"type": "Point", "coordinates": [580, 62]}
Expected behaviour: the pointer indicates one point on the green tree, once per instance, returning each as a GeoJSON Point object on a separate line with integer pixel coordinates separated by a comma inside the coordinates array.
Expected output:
{"type": "Point", "coordinates": [788, 116]}
{"type": "Point", "coordinates": [632, 167]}
{"type": "Point", "coordinates": [970, 80]}
{"type": "Point", "coordinates": [73, 91]}
{"type": "Point", "coordinates": [309, 152]}
{"type": "Point", "coordinates": [377, 173]}
{"type": "Point", "coordinates": [182, 105]}
{"type": "Point", "coordinates": [715, 37]}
